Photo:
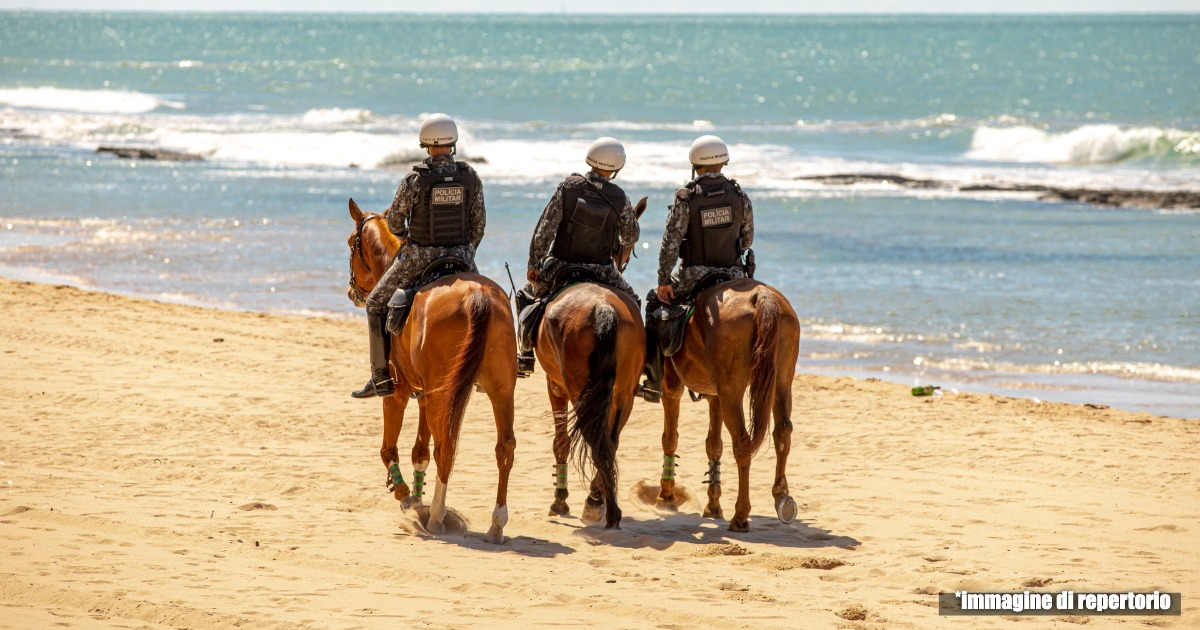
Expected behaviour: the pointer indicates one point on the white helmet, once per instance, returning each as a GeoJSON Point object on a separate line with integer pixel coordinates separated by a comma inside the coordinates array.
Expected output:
{"type": "Point", "coordinates": [708, 150]}
{"type": "Point", "coordinates": [438, 130]}
{"type": "Point", "coordinates": [607, 154]}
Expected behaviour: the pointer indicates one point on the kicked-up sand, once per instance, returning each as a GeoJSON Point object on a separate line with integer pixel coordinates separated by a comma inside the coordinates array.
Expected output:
{"type": "Point", "coordinates": [166, 466]}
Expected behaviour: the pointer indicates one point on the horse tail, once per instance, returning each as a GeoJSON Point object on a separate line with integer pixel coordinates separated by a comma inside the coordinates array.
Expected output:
{"type": "Point", "coordinates": [469, 362]}
{"type": "Point", "coordinates": [593, 408]}
{"type": "Point", "coordinates": [762, 366]}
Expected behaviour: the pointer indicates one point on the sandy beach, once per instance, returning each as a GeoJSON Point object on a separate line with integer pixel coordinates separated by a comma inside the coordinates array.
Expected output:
{"type": "Point", "coordinates": [173, 466]}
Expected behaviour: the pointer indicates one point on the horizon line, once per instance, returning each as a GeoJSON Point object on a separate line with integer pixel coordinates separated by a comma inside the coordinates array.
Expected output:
{"type": "Point", "coordinates": [694, 13]}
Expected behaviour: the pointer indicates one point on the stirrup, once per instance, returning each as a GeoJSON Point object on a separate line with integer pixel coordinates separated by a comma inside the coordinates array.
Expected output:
{"type": "Point", "coordinates": [380, 385]}
{"type": "Point", "coordinates": [648, 393]}
{"type": "Point", "coordinates": [525, 365]}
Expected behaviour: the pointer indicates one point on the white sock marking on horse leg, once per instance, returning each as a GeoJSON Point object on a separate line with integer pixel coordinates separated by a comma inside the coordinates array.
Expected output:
{"type": "Point", "coordinates": [437, 509]}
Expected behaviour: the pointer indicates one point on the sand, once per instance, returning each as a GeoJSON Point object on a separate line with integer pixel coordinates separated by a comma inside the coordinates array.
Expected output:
{"type": "Point", "coordinates": [173, 466]}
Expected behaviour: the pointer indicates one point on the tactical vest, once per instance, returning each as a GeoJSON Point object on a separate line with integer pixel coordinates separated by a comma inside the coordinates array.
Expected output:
{"type": "Point", "coordinates": [441, 215]}
{"type": "Point", "coordinates": [715, 214]}
{"type": "Point", "coordinates": [588, 230]}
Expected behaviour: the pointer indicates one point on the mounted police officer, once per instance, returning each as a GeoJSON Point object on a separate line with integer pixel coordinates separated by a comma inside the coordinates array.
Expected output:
{"type": "Point", "coordinates": [709, 227]}
{"type": "Point", "coordinates": [587, 217]}
{"type": "Point", "coordinates": [438, 209]}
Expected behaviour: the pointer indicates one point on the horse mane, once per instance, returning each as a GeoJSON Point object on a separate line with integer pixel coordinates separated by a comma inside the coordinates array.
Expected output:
{"type": "Point", "coordinates": [379, 244]}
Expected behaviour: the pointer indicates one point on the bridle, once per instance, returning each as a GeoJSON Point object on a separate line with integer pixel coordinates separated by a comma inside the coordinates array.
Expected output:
{"type": "Point", "coordinates": [358, 293]}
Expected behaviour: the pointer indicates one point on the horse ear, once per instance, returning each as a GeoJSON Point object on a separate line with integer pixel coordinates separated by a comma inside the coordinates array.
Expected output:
{"type": "Point", "coordinates": [640, 208]}
{"type": "Point", "coordinates": [355, 212]}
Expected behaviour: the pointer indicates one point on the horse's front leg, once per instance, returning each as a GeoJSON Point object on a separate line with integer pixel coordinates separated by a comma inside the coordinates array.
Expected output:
{"type": "Point", "coordinates": [713, 446]}
{"type": "Point", "coordinates": [393, 421]}
{"type": "Point", "coordinates": [561, 448]}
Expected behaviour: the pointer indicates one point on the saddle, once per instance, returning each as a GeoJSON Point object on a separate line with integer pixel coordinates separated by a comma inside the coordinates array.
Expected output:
{"type": "Point", "coordinates": [530, 317]}
{"type": "Point", "coordinates": [402, 299]}
{"type": "Point", "coordinates": [672, 319]}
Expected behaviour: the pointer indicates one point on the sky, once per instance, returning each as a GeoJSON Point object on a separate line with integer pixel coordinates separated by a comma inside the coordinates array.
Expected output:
{"type": "Point", "coordinates": [623, 6]}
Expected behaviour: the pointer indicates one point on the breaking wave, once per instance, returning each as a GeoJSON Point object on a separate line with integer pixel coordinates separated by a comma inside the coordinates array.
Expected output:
{"type": "Point", "coordinates": [1089, 144]}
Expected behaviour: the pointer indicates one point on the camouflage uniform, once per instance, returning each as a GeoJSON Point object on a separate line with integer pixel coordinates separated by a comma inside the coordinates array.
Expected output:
{"type": "Point", "coordinates": [684, 279]}
{"type": "Point", "coordinates": [412, 259]}
{"type": "Point", "coordinates": [543, 237]}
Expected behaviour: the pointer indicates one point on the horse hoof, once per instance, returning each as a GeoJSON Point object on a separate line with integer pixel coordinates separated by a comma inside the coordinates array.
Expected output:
{"type": "Point", "coordinates": [437, 528]}
{"type": "Point", "coordinates": [713, 512]}
{"type": "Point", "coordinates": [668, 504]}
{"type": "Point", "coordinates": [739, 525]}
{"type": "Point", "coordinates": [786, 509]}
{"type": "Point", "coordinates": [592, 514]}
{"type": "Point", "coordinates": [409, 502]}
{"type": "Point", "coordinates": [495, 535]}
{"type": "Point", "coordinates": [560, 508]}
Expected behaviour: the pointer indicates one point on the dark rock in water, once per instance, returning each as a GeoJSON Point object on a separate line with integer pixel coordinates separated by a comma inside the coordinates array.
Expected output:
{"type": "Point", "coordinates": [1004, 188]}
{"type": "Point", "coordinates": [1164, 199]}
{"type": "Point", "coordinates": [141, 153]}
{"type": "Point", "coordinates": [848, 179]}
{"type": "Point", "coordinates": [1158, 199]}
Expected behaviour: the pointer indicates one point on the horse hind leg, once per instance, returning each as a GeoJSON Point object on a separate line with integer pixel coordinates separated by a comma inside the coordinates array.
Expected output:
{"type": "Point", "coordinates": [562, 451]}
{"type": "Point", "coordinates": [506, 445]}
{"type": "Point", "coordinates": [436, 524]}
{"type": "Point", "coordinates": [420, 459]}
{"type": "Point", "coordinates": [734, 418]}
{"type": "Point", "coordinates": [669, 497]}
{"type": "Point", "coordinates": [595, 507]}
{"type": "Point", "coordinates": [785, 505]}
{"type": "Point", "coordinates": [443, 458]}
{"type": "Point", "coordinates": [713, 446]}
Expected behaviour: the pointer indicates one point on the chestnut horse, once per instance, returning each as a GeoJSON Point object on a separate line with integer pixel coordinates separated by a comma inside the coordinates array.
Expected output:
{"type": "Point", "coordinates": [459, 333]}
{"type": "Point", "coordinates": [742, 334]}
{"type": "Point", "coordinates": [592, 345]}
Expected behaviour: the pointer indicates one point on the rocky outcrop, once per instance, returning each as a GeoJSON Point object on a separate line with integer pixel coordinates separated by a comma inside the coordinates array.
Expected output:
{"type": "Point", "coordinates": [1157, 199]}
{"type": "Point", "coordinates": [143, 153]}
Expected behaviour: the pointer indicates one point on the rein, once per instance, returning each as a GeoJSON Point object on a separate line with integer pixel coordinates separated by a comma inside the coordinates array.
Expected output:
{"type": "Point", "coordinates": [359, 292]}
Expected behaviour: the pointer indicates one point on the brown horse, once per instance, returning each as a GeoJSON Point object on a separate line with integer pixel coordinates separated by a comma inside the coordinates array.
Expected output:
{"type": "Point", "coordinates": [459, 334]}
{"type": "Point", "coordinates": [592, 345]}
{"type": "Point", "coordinates": [743, 334]}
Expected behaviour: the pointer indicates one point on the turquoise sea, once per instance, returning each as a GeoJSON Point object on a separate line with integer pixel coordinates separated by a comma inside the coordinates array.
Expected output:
{"type": "Point", "coordinates": [975, 290]}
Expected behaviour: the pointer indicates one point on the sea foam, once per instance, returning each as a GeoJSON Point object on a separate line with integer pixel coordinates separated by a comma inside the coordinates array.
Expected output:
{"type": "Point", "coordinates": [84, 101]}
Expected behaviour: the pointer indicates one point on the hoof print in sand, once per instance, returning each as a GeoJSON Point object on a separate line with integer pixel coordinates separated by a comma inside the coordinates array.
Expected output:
{"type": "Point", "coordinates": [257, 505]}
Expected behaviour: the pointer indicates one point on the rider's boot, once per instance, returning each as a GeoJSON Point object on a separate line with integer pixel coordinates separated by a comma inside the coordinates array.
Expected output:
{"type": "Point", "coordinates": [380, 342]}
{"type": "Point", "coordinates": [651, 388]}
{"type": "Point", "coordinates": [525, 360]}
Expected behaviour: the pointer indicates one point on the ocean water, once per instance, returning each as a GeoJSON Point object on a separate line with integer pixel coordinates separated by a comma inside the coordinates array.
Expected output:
{"type": "Point", "coordinates": [980, 291]}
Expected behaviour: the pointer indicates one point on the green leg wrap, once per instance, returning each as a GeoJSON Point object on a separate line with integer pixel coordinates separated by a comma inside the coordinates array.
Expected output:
{"type": "Point", "coordinates": [560, 476]}
{"type": "Point", "coordinates": [418, 483]}
{"type": "Point", "coordinates": [394, 479]}
{"type": "Point", "coordinates": [668, 468]}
